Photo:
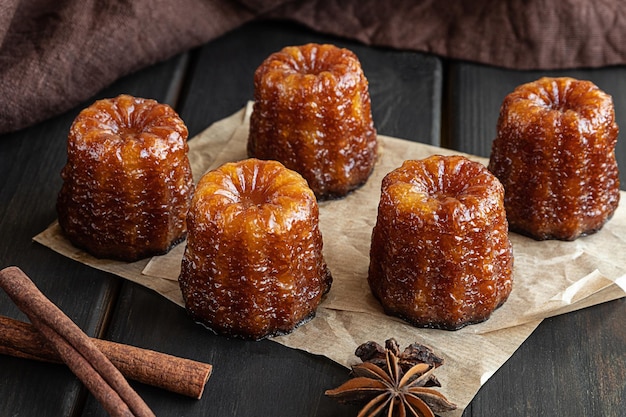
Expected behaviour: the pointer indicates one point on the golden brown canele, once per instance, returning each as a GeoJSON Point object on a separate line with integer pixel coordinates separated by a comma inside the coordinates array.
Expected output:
{"type": "Point", "coordinates": [440, 253]}
{"type": "Point", "coordinates": [127, 184]}
{"type": "Point", "coordinates": [555, 155]}
{"type": "Point", "coordinates": [312, 113]}
{"type": "Point", "coordinates": [253, 265]}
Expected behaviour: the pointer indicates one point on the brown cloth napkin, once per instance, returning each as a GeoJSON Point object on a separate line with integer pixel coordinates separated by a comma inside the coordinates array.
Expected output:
{"type": "Point", "coordinates": [54, 54]}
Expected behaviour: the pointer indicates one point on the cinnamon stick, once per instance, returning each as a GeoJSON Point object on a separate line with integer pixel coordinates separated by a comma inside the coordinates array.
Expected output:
{"type": "Point", "coordinates": [90, 365]}
{"type": "Point", "coordinates": [179, 375]}
{"type": "Point", "coordinates": [116, 397]}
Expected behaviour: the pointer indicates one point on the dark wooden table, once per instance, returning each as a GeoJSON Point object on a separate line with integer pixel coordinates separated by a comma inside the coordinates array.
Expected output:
{"type": "Point", "coordinates": [572, 365]}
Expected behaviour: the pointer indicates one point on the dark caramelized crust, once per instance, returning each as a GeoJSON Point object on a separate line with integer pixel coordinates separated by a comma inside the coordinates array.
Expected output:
{"type": "Point", "coordinates": [253, 265]}
{"type": "Point", "coordinates": [312, 113]}
{"type": "Point", "coordinates": [555, 155]}
{"type": "Point", "coordinates": [440, 253]}
{"type": "Point", "coordinates": [127, 184]}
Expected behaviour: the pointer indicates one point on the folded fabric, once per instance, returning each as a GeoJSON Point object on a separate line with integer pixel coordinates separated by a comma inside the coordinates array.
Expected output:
{"type": "Point", "coordinates": [55, 54]}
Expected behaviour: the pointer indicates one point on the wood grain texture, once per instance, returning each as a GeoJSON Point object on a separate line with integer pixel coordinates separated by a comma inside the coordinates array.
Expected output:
{"type": "Point", "coordinates": [249, 378]}
{"type": "Point", "coordinates": [31, 162]}
{"type": "Point", "coordinates": [265, 378]}
{"type": "Point", "coordinates": [473, 95]}
{"type": "Point", "coordinates": [573, 364]}
{"type": "Point", "coordinates": [405, 88]}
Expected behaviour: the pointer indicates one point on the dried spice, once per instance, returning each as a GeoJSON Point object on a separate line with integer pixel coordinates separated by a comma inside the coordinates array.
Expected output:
{"type": "Point", "coordinates": [400, 384]}
{"type": "Point", "coordinates": [179, 375]}
{"type": "Point", "coordinates": [73, 346]}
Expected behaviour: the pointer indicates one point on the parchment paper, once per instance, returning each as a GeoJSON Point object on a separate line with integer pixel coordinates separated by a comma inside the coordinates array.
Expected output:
{"type": "Point", "coordinates": [550, 277]}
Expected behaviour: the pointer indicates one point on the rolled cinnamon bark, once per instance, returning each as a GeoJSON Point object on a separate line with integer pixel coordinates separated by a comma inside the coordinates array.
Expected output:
{"type": "Point", "coordinates": [172, 373]}
{"type": "Point", "coordinates": [88, 363]}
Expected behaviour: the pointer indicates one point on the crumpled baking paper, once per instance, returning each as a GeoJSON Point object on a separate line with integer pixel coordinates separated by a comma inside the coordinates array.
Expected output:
{"type": "Point", "coordinates": [550, 277]}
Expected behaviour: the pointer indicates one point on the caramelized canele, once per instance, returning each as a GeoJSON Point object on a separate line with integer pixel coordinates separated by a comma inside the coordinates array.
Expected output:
{"type": "Point", "coordinates": [555, 155]}
{"type": "Point", "coordinates": [312, 113]}
{"type": "Point", "coordinates": [127, 183]}
{"type": "Point", "coordinates": [253, 265]}
{"type": "Point", "coordinates": [440, 253]}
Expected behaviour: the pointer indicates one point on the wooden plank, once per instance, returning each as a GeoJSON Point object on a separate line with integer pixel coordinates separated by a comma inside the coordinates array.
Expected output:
{"type": "Point", "coordinates": [572, 364]}
{"type": "Point", "coordinates": [249, 378]}
{"type": "Point", "coordinates": [265, 378]}
{"type": "Point", "coordinates": [30, 165]}
{"type": "Point", "coordinates": [473, 95]}
{"type": "Point", "coordinates": [405, 87]}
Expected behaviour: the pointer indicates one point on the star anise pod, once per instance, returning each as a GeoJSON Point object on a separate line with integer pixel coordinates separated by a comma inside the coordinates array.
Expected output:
{"type": "Point", "coordinates": [413, 354]}
{"type": "Point", "coordinates": [389, 388]}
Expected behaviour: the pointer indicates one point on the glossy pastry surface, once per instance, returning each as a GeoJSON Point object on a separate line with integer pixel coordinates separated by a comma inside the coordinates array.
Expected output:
{"type": "Point", "coordinates": [440, 253]}
{"type": "Point", "coordinates": [127, 184]}
{"type": "Point", "coordinates": [555, 155]}
{"type": "Point", "coordinates": [253, 266]}
{"type": "Point", "coordinates": [312, 112]}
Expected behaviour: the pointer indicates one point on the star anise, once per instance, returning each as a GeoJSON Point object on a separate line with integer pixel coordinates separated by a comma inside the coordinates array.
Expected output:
{"type": "Point", "coordinates": [387, 387]}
